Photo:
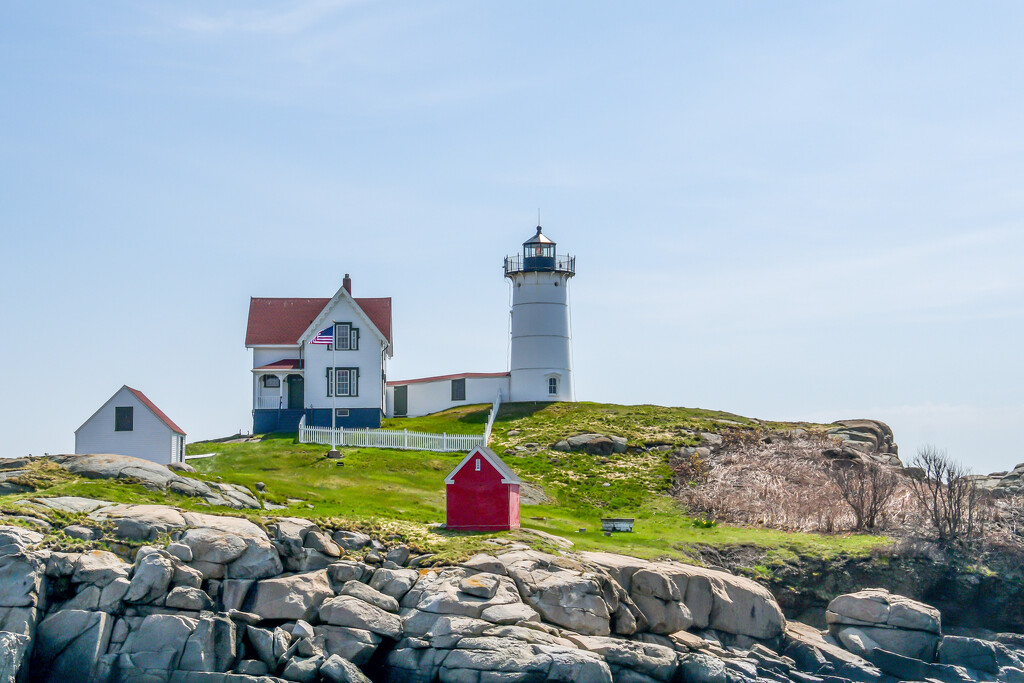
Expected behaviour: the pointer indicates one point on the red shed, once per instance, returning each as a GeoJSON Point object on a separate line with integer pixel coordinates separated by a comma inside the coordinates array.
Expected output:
{"type": "Point", "coordinates": [483, 493]}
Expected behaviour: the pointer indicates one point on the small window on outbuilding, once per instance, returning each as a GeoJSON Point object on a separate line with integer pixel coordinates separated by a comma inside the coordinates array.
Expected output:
{"type": "Point", "coordinates": [478, 464]}
{"type": "Point", "coordinates": [123, 419]}
{"type": "Point", "coordinates": [552, 386]}
{"type": "Point", "coordinates": [271, 381]}
{"type": "Point", "coordinates": [459, 389]}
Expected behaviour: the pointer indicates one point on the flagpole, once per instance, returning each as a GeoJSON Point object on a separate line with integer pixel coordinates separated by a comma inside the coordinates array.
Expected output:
{"type": "Point", "coordinates": [334, 382]}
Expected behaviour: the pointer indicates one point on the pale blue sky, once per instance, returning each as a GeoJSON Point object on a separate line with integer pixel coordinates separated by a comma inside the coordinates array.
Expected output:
{"type": "Point", "coordinates": [789, 210]}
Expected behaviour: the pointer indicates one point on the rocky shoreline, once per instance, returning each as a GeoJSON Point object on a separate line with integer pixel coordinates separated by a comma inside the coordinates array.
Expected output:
{"type": "Point", "coordinates": [216, 599]}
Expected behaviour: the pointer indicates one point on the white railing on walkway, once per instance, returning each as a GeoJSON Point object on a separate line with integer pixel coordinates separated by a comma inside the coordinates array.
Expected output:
{"type": "Point", "coordinates": [268, 402]}
{"type": "Point", "coordinates": [490, 418]}
{"type": "Point", "coordinates": [401, 439]}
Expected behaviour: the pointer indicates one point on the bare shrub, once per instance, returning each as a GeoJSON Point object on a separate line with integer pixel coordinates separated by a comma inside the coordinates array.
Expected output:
{"type": "Point", "coordinates": [868, 488]}
{"type": "Point", "coordinates": [954, 506]}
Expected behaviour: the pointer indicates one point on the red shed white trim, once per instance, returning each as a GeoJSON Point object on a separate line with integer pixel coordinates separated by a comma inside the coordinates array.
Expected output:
{"type": "Point", "coordinates": [507, 475]}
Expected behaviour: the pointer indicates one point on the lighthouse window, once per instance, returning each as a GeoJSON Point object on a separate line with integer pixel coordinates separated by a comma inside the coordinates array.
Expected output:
{"type": "Point", "coordinates": [552, 386]}
{"type": "Point", "coordinates": [459, 389]}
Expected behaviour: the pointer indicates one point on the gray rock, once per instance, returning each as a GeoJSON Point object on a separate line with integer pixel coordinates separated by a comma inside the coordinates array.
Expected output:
{"type": "Point", "coordinates": [303, 670]}
{"type": "Point", "coordinates": [322, 543]}
{"type": "Point", "coordinates": [302, 629]}
{"type": "Point", "coordinates": [99, 568]}
{"type": "Point", "coordinates": [352, 612]}
{"type": "Point", "coordinates": [291, 597]}
{"type": "Point", "coordinates": [152, 475]}
{"type": "Point", "coordinates": [19, 536]}
{"type": "Point", "coordinates": [13, 653]}
{"type": "Point", "coordinates": [112, 595]}
{"type": "Point", "coordinates": [159, 640]}
{"type": "Point", "coordinates": [180, 551]}
{"type": "Point", "coordinates": [337, 669]}
{"type": "Point", "coordinates": [213, 546]}
{"type": "Point", "coordinates": [68, 644]}
{"type": "Point", "coordinates": [702, 668]}
{"type": "Point", "coordinates": [399, 555]}
{"type": "Point", "coordinates": [571, 599]}
{"type": "Point", "coordinates": [21, 578]}
{"type": "Point", "coordinates": [262, 641]}
{"type": "Point", "coordinates": [970, 652]}
{"type": "Point", "coordinates": [480, 585]}
{"type": "Point", "coordinates": [510, 614]}
{"type": "Point", "coordinates": [351, 540]}
{"type": "Point", "coordinates": [394, 582]}
{"type": "Point", "coordinates": [82, 533]}
{"type": "Point", "coordinates": [655, 661]}
{"type": "Point", "coordinates": [252, 667]}
{"type": "Point", "coordinates": [150, 579]}
{"type": "Point", "coordinates": [19, 620]}
{"type": "Point", "coordinates": [189, 598]}
{"type": "Point", "coordinates": [233, 593]}
{"type": "Point", "coordinates": [371, 596]}
{"type": "Point", "coordinates": [485, 563]}
{"type": "Point", "coordinates": [438, 592]}
{"type": "Point", "coordinates": [343, 571]}
{"type": "Point", "coordinates": [354, 644]}
{"type": "Point", "coordinates": [181, 467]}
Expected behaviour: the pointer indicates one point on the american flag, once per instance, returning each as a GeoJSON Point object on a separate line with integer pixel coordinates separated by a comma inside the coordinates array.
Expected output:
{"type": "Point", "coordinates": [326, 336]}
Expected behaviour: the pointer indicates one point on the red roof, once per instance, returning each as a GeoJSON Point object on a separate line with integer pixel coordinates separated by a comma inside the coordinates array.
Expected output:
{"type": "Point", "coordinates": [282, 321]}
{"type": "Point", "coordinates": [156, 411]}
{"type": "Point", "coordinates": [286, 364]}
{"type": "Point", "coordinates": [439, 378]}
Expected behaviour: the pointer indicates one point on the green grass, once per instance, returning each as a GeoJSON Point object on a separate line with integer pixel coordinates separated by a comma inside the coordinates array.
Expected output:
{"type": "Point", "coordinates": [403, 491]}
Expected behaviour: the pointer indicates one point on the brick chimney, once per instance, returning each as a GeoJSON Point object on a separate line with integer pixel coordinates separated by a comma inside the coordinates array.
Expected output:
{"type": "Point", "coordinates": [347, 284]}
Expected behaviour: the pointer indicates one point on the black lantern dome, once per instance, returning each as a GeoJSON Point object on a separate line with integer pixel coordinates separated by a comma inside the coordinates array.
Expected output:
{"type": "Point", "coordinates": [539, 256]}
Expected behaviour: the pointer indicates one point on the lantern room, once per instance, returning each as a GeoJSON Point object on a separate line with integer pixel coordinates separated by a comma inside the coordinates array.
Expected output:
{"type": "Point", "coordinates": [539, 252]}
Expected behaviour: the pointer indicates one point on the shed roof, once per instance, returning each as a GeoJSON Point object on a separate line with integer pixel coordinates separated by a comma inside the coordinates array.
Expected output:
{"type": "Point", "coordinates": [156, 411]}
{"type": "Point", "coordinates": [507, 475]}
{"type": "Point", "coordinates": [286, 364]}
{"type": "Point", "coordinates": [439, 378]}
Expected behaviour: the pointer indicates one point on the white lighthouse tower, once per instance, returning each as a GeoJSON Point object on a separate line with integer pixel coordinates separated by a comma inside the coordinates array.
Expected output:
{"type": "Point", "coordinates": [541, 364]}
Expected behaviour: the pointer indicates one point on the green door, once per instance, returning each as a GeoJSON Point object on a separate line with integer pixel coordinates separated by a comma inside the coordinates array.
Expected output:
{"type": "Point", "coordinates": [401, 401]}
{"type": "Point", "coordinates": [295, 392]}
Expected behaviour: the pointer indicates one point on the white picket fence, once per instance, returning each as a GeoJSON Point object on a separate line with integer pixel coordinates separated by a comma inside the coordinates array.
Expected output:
{"type": "Point", "coordinates": [401, 439]}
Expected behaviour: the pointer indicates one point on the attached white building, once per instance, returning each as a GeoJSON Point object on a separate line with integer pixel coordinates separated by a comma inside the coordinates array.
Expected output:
{"type": "Point", "coordinates": [314, 356]}
{"type": "Point", "coordinates": [130, 424]}
{"type": "Point", "coordinates": [541, 343]}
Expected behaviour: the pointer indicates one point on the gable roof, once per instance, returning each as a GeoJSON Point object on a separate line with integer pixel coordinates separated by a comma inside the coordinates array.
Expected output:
{"type": "Point", "coordinates": [156, 411]}
{"type": "Point", "coordinates": [283, 320]}
{"type": "Point", "coordinates": [507, 475]}
{"type": "Point", "coordinates": [381, 307]}
{"type": "Point", "coordinates": [161, 415]}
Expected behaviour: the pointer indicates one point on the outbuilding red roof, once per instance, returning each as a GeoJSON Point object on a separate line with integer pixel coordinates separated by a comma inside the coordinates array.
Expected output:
{"type": "Point", "coordinates": [156, 411]}
{"type": "Point", "coordinates": [281, 321]}
{"type": "Point", "coordinates": [440, 378]}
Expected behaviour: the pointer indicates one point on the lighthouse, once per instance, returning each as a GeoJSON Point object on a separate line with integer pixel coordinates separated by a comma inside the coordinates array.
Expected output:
{"type": "Point", "coordinates": [541, 362]}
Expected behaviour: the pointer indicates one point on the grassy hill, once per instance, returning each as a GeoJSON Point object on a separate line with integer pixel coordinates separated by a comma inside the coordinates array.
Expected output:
{"type": "Point", "coordinates": [567, 492]}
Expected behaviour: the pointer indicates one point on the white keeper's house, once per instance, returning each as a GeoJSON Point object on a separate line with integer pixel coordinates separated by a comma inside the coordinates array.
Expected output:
{"type": "Point", "coordinates": [312, 354]}
{"type": "Point", "coordinates": [130, 424]}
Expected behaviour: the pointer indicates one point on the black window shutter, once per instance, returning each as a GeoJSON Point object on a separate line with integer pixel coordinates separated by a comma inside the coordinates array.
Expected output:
{"type": "Point", "coordinates": [329, 383]}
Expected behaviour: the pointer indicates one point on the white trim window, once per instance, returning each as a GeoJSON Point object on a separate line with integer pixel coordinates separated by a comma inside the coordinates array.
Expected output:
{"type": "Point", "coordinates": [346, 337]}
{"type": "Point", "coordinates": [346, 382]}
{"type": "Point", "coordinates": [552, 386]}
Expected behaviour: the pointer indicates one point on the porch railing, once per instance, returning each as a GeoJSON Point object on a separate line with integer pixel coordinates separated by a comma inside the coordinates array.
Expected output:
{"type": "Point", "coordinates": [269, 402]}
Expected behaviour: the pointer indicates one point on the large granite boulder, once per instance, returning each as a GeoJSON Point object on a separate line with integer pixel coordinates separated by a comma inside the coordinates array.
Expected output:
{"type": "Point", "coordinates": [152, 475]}
{"type": "Point", "coordinates": [13, 650]}
{"type": "Point", "coordinates": [439, 592]}
{"type": "Point", "coordinates": [69, 644]}
{"type": "Point", "coordinates": [673, 596]}
{"type": "Point", "coordinates": [874, 618]}
{"type": "Point", "coordinates": [290, 597]}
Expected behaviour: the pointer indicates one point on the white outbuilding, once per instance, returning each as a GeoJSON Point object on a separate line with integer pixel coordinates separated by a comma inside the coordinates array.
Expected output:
{"type": "Point", "coordinates": [130, 424]}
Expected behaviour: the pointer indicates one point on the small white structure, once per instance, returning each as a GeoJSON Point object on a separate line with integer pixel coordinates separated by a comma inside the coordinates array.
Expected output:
{"type": "Point", "coordinates": [130, 424]}
{"type": "Point", "coordinates": [416, 397]}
